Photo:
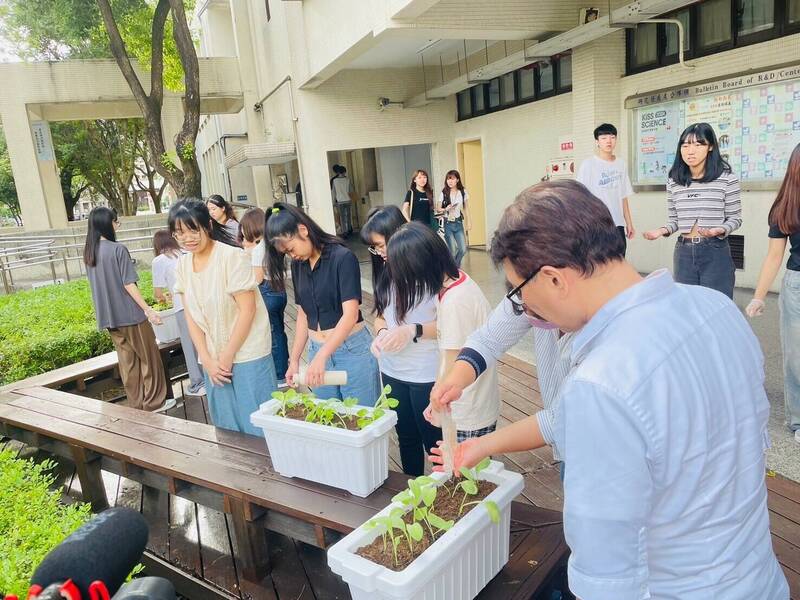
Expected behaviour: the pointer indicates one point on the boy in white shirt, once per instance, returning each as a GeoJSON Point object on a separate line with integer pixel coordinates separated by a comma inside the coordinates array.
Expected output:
{"type": "Point", "coordinates": [606, 176]}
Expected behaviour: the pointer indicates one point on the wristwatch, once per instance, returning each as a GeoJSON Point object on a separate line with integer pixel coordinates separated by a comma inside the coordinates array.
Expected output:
{"type": "Point", "coordinates": [418, 333]}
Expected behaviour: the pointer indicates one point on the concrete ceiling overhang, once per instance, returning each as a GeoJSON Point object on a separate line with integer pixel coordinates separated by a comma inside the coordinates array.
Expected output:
{"type": "Point", "coordinates": [255, 155]}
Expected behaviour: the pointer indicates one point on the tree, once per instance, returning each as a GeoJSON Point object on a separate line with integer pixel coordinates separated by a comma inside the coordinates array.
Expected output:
{"type": "Point", "coordinates": [9, 202]}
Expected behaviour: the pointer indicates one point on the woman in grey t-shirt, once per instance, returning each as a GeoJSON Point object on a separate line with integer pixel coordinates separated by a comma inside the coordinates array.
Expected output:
{"type": "Point", "coordinates": [120, 308]}
{"type": "Point", "coordinates": [222, 212]}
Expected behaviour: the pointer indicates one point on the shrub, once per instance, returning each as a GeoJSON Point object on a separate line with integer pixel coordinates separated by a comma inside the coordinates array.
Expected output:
{"type": "Point", "coordinates": [52, 327]}
{"type": "Point", "coordinates": [32, 519]}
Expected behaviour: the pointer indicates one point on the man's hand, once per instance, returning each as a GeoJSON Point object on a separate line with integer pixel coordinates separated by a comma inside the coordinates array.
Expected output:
{"type": "Point", "coordinates": [444, 393]}
{"type": "Point", "coordinates": [630, 231]}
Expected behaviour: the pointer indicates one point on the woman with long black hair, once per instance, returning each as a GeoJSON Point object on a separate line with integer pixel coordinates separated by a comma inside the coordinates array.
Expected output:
{"type": "Point", "coordinates": [420, 266]}
{"type": "Point", "coordinates": [704, 205]}
{"type": "Point", "coordinates": [120, 308]}
{"type": "Point", "coordinates": [327, 290]}
{"type": "Point", "coordinates": [418, 203]}
{"type": "Point", "coordinates": [407, 350]}
{"type": "Point", "coordinates": [453, 203]}
{"type": "Point", "coordinates": [784, 223]}
{"type": "Point", "coordinates": [227, 321]}
{"type": "Point", "coordinates": [222, 212]}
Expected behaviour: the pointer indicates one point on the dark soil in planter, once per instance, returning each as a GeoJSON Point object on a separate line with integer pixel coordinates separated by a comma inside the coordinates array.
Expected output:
{"type": "Point", "coordinates": [298, 413]}
{"type": "Point", "coordinates": [445, 506]}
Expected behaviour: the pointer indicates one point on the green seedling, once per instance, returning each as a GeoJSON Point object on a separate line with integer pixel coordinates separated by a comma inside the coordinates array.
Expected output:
{"type": "Point", "coordinates": [161, 306]}
{"type": "Point", "coordinates": [288, 399]}
{"type": "Point", "coordinates": [330, 412]}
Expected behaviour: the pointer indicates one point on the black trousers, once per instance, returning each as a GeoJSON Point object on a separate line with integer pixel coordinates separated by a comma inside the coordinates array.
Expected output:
{"type": "Point", "coordinates": [415, 435]}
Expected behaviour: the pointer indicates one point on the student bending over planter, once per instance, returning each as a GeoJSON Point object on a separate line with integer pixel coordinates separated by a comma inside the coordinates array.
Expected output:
{"type": "Point", "coordinates": [227, 321]}
{"type": "Point", "coordinates": [327, 291]}
{"type": "Point", "coordinates": [120, 308]}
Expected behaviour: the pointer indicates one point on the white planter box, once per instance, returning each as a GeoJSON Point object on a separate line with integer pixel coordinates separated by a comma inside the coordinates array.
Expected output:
{"type": "Point", "coordinates": [356, 461]}
{"type": "Point", "coordinates": [168, 330]}
{"type": "Point", "coordinates": [456, 567]}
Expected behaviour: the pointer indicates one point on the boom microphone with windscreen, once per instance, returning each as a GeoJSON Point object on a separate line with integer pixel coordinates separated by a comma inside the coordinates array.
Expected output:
{"type": "Point", "coordinates": [106, 549]}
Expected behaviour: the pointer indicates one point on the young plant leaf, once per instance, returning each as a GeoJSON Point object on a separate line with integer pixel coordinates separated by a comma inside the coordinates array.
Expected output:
{"type": "Point", "coordinates": [483, 464]}
{"type": "Point", "coordinates": [439, 522]}
{"type": "Point", "coordinates": [393, 402]}
{"type": "Point", "coordinates": [415, 531]}
{"type": "Point", "coordinates": [467, 473]}
{"type": "Point", "coordinates": [492, 509]}
{"type": "Point", "coordinates": [470, 487]}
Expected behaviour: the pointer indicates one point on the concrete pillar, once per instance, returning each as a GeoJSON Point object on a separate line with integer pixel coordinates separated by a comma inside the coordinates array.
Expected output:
{"type": "Point", "coordinates": [248, 74]}
{"type": "Point", "coordinates": [596, 71]}
{"type": "Point", "coordinates": [34, 167]}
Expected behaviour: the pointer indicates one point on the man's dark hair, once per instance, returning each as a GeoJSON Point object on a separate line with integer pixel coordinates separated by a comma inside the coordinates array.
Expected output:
{"type": "Point", "coordinates": [558, 224]}
{"type": "Point", "coordinates": [604, 129]}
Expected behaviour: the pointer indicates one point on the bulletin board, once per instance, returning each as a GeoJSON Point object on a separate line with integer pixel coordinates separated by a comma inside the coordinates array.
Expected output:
{"type": "Point", "coordinates": [756, 118]}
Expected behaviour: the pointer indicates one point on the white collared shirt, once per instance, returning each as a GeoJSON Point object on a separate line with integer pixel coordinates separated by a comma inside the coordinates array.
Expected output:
{"type": "Point", "coordinates": [663, 426]}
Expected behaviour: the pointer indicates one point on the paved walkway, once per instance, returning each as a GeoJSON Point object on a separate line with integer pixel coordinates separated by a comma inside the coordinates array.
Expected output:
{"type": "Point", "coordinates": [783, 457]}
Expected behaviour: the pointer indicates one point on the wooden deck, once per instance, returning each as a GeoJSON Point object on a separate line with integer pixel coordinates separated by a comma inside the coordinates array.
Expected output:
{"type": "Point", "coordinates": [201, 541]}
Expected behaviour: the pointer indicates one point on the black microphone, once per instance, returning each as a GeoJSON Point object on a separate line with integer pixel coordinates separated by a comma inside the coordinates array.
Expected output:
{"type": "Point", "coordinates": [105, 549]}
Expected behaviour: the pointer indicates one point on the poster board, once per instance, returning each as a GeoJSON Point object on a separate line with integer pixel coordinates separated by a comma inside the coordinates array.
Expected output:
{"type": "Point", "coordinates": [756, 119]}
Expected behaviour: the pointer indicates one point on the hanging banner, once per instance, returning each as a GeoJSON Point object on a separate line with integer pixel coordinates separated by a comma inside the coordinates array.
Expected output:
{"type": "Point", "coordinates": [658, 130]}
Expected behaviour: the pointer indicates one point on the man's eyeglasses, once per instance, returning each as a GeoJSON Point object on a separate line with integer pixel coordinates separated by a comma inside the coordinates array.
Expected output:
{"type": "Point", "coordinates": [376, 252]}
{"type": "Point", "coordinates": [515, 295]}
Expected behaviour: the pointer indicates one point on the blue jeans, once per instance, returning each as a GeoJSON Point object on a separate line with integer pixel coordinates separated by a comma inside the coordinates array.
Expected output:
{"type": "Point", "coordinates": [354, 357]}
{"type": "Point", "coordinates": [708, 263]}
{"type": "Point", "coordinates": [790, 342]}
{"type": "Point", "coordinates": [276, 305]}
{"type": "Point", "coordinates": [456, 240]}
{"type": "Point", "coordinates": [232, 404]}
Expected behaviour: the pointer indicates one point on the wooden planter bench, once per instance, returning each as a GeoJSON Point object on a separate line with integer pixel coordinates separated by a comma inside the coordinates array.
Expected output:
{"type": "Point", "coordinates": [231, 472]}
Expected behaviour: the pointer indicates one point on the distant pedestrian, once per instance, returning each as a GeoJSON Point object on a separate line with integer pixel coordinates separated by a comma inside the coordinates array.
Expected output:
{"type": "Point", "coordinates": [453, 203]}
{"type": "Point", "coordinates": [341, 193]}
{"type": "Point", "coordinates": [418, 203]}
{"type": "Point", "coordinates": [222, 212]}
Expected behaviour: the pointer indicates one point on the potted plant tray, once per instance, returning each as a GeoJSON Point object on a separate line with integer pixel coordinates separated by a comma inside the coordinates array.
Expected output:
{"type": "Point", "coordinates": [168, 330]}
{"type": "Point", "coordinates": [353, 460]}
{"type": "Point", "coordinates": [456, 566]}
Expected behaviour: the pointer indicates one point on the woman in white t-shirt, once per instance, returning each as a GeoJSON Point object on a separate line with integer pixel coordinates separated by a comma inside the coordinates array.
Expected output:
{"type": "Point", "coordinates": [419, 267]}
{"type": "Point", "coordinates": [406, 349]}
{"type": "Point", "coordinates": [167, 253]}
{"type": "Point", "coordinates": [453, 205]}
{"type": "Point", "coordinates": [228, 323]}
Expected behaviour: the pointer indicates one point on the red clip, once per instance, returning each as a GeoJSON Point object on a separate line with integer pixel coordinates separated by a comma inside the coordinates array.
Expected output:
{"type": "Point", "coordinates": [98, 591]}
{"type": "Point", "coordinates": [70, 591]}
{"type": "Point", "coordinates": [11, 597]}
{"type": "Point", "coordinates": [34, 591]}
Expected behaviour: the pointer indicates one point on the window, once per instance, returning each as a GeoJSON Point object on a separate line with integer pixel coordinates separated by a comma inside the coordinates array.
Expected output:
{"type": "Point", "coordinates": [710, 26]}
{"type": "Point", "coordinates": [753, 16]}
{"type": "Point", "coordinates": [531, 82]}
{"type": "Point", "coordinates": [464, 104]}
{"type": "Point", "coordinates": [644, 47]}
{"type": "Point", "coordinates": [494, 93]}
{"type": "Point", "coordinates": [672, 33]}
{"type": "Point", "coordinates": [565, 73]}
{"type": "Point", "coordinates": [527, 85]}
{"type": "Point", "coordinates": [508, 94]}
{"type": "Point", "coordinates": [266, 5]}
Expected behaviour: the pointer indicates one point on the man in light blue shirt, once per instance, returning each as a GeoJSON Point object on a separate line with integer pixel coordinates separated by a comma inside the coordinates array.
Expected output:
{"type": "Point", "coordinates": [662, 419]}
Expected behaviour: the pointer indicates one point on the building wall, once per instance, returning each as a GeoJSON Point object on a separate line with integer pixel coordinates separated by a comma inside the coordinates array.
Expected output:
{"type": "Point", "coordinates": [649, 208]}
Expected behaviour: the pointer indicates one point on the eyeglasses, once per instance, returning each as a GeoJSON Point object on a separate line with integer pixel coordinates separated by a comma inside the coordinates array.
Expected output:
{"type": "Point", "coordinates": [515, 295]}
{"type": "Point", "coordinates": [185, 235]}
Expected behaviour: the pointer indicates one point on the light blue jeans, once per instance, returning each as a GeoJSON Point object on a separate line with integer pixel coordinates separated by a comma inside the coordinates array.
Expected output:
{"type": "Point", "coordinates": [354, 357]}
{"type": "Point", "coordinates": [456, 240]}
{"type": "Point", "coordinates": [232, 404]}
{"type": "Point", "coordinates": [790, 343]}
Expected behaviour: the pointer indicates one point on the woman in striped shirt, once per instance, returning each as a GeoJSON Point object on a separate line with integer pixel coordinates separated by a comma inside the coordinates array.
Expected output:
{"type": "Point", "coordinates": [704, 205]}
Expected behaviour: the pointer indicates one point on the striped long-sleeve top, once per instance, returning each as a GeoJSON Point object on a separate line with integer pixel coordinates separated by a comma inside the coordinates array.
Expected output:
{"type": "Point", "coordinates": [501, 331]}
{"type": "Point", "coordinates": [717, 203]}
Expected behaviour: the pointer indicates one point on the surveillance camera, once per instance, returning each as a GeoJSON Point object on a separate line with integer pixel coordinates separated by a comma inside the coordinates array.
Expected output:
{"type": "Point", "coordinates": [257, 107]}
{"type": "Point", "coordinates": [383, 103]}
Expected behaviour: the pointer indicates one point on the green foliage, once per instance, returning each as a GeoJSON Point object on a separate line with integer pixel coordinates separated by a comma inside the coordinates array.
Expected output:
{"type": "Point", "coordinates": [32, 520]}
{"type": "Point", "coordinates": [187, 151]}
{"type": "Point", "coordinates": [52, 327]}
{"type": "Point", "coordinates": [8, 191]}
{"type": "Point", "coordinates": [329, 412]}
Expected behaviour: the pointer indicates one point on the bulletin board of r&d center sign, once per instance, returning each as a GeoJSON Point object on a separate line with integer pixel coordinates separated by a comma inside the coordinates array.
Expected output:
{"type": "Point", "coordinates": [756, 118]}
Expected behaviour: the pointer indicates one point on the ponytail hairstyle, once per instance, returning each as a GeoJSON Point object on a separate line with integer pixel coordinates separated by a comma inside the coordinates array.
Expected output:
{"type": "Point", "coordinates": [785, 211]}
{"type": "Point", "coordinates": [418, 263]}
{"type": "Point", "coordinates": [220, 202]}
{"type": "Point", "coordinates": [715, 166]}
{"type": "Point", "coordinates": [193, 214]}
{"type": "Point", "coordinates": [282, 222]}
{"type": "Point", "coordinates": [101, 224]}
{"type": "Point", "coordinates": [251, 227]}
{"type": "Point", "coordinates": [164, 243]}
{"type": "Point", "coordinates": [385, 221]}
{"type": "Point", "coordinates": [428, 188]}
{"type": "Point", "coordinates": [459, 185]}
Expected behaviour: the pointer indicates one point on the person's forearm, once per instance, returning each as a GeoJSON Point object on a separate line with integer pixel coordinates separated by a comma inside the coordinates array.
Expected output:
{"type": "Point", "coordinates": [405, 211]}
{"type": "Point", "coordinates": [626, 212]}
{"type": "Point", "coordinates": [300, 335]}
{"type": "Point", "coordinates": [769, 270]}
{"type": "Point", "coordinates": [517, 437]}
{"type": "Point", "coordinates": [380, 323]}
{"type": "Point", "coordinates": [460, 374]}
{"type": "Point", "coordinates": [158, 292]}
{"type": "Point", "coordinates": [245, 315]}
{"type": "Point", "coordinates": [133, 291]}
{"type": "Point", "coordinates": [258, 273]}
{"type": "Point", "coordinates": [429, 330]}
{"type": "Point", "coordinates": [501, 331]}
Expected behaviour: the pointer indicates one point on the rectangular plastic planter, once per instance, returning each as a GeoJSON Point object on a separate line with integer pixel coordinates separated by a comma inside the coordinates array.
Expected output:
{"type": "Point", "coordinates": [168, 330]}
{"type": "Point", "coordinates": [356, 461]}
{"type": "Point", "coordinates": [455, 567]}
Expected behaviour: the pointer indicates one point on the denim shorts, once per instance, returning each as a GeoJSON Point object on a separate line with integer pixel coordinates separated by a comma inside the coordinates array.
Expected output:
{"type": "Point", "coordinates": [354, 357]}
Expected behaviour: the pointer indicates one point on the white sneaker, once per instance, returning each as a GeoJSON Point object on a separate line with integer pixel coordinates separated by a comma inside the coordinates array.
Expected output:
{"type": "Point", "coordinates": [797, 435]}
{"type": "Point", "coordinates": [201, 391]}
{"type": "Point", "coordinates": [168, 403]}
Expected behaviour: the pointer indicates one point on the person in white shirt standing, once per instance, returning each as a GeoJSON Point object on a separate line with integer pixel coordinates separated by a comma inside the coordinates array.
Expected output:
{"type": "Point", "coordinates": [606, 176]}
{"type": "Point", "coordinates": [341, 190]}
